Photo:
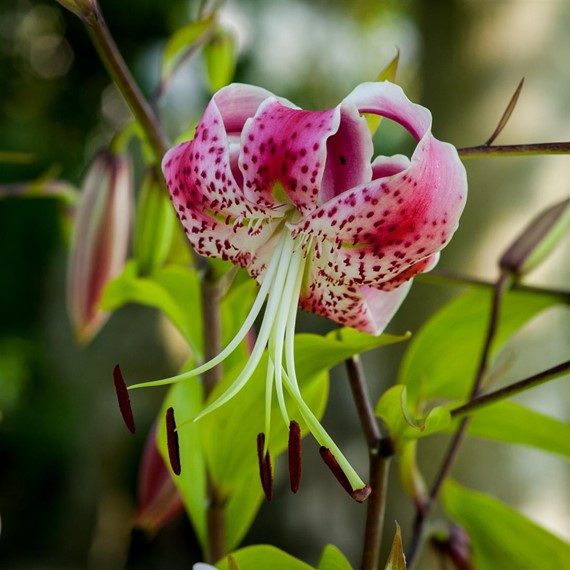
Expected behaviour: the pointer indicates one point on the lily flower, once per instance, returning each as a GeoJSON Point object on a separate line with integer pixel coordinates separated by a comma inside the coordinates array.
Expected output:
{"type": "Point", "coordinates": [294, 197]}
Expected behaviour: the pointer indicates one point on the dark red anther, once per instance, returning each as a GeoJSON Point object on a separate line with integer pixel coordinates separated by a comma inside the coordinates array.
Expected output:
{"type": "Point", "coordinates": [359, 495]}
{"type": "Point", "coordinates": [265, 471]}
{"type": "Point", "coordinates": [123, 398]}
{"type": "Point", "coordinates": [295, 459]}
{"type": "Point", "coordinates": [172, 441]}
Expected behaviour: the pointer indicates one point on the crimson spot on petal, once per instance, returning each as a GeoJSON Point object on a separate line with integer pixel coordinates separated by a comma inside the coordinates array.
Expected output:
{"type": "Point", "coordinates": [172, 441]}
{"type": "Point", "coordinates": [123, 398]}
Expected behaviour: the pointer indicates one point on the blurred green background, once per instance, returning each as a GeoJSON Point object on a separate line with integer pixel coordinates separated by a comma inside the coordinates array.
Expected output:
{"type": "Point", "coordinates": [67, 466]}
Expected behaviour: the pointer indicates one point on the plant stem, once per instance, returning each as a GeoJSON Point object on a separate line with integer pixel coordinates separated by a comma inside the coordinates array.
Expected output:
{"type": "Point", "coordinates": [439, 277]}
{"type": "Point", "coordinates": [121, 76]}
{"type": "Point", "coordinates": [501, 285]}
{"type": "Point", "coordinates": [379, 453]}
{"type": "Point", "coordinates": [514, 149]}
{"type": "Point", "coordinates": [512, 390]}
{"type": "Point", "coordinates": [158, 142]}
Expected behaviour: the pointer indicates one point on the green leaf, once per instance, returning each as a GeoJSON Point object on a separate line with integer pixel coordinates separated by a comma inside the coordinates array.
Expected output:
{"type": "Point", "coordinates": [155, 225]}
{"type": "Point", "coordinates": [502, 538]}
{"type": "Point", "coordinates": [232, 460]}
{"type": "Point", "coordinates": [513, 423]}
{"type": "Point", "coordinates": [333, 559]}
{"type": "Point", "coordinates": [264, 557]}
{"type": "Point", "coordinates": [442, 359]}
{"type": "Point", "coordinates": [172, 289]}
{"type": "Point", "coordinates": [392, 407]}
{"type": "Point", "coordinates": [410, 476]}
{"type": "Point", "coordinates": [183, 42]}
{"type": "Point", "coordinates": [396, 558]}
{"type": "Point", "coordinates": [186, 397]}
{"type": "Point", "coordinates": [220, 59]}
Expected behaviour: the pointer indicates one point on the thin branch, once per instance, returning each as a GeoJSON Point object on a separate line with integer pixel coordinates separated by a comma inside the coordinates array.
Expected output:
{"type": "Point", "coordinates": [509, 391]}
{"type": "Point", "coordinates": [362, 401]}
{"type": "Point", "coordinates": [439, 277]}
{"type": "Point", "coordinates": [379, 452]}
{"type": "Point", "coordinates": [514, 149]}
{"type": "Point", "coordinates": [421, 515]}
{"type": "Point", "coordinates": [121, 76]}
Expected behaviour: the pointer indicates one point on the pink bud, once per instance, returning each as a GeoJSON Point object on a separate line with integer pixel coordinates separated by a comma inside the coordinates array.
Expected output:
{"type": "Point", "coordinates": [100, 240]}
{"type": "Point", "coordinates": [158, 497]}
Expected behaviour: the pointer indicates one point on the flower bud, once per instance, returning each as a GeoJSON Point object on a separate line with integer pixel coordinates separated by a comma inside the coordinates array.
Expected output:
{"type": "Point", "coordinates": [100, 240]}
{"type": "Point", "coordinates": [537, 240]}
{"type": "Point", "coordinates": [158, 496]}
{"type": "Point", "coordinates": [455, 548]}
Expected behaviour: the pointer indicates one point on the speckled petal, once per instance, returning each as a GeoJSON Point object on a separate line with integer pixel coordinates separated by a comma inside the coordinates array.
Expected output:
{"type": "Point", "coordinates": [389, 100]}
{"type": "Point", "coordinates": [360, 307]}
{"type": "Point", "coordinates": [217, 218]}
{"type": "Point", "coordinates": [284, 152]}
{"type": "Point", "coordinates": [237, 103]}
{"type": "Point", "coordinates": [372, 233]}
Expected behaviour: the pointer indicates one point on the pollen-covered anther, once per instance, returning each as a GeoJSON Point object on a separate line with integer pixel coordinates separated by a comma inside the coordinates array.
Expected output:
{"type": "Point", "coordinates": [265, 470]}
{"type": "Point", "coordinates": [123, 399]}
{"type": "Point", "coordinates": [295, 457]}
{"type": "Point", "coordinates": [359, 495]}
{"type": "Point", "coordinates": [172, 442]}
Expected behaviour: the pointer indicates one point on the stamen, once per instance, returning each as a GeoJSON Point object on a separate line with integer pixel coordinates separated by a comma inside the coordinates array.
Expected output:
{"type": "Point", "coordinates": [268, 279]}
{"type": "Point", "coordinates": [295, 458]}
{"type": "Point", "coordinates": [358, 495]}
{"type": "Point", "coordinates": [123, 398]}
{"type": "Point", "coordinates": [265, 471]}
{"type": "Point", "coordinates": [172, 441]}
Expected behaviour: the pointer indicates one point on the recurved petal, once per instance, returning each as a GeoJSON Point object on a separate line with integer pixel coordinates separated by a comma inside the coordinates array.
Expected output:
{"type": "Point", "coordinates": [284, 151]}
{"type": "Point", "coordinates": [361, 307]}
{"type": "Point", "coordinates": [201, 176]}
{"type": "Point", "coordinates": [372, 233]}
{"type": "Point", "coordinates": [238, 102]}
{"type": "Point", "coordinates": [388, 100]}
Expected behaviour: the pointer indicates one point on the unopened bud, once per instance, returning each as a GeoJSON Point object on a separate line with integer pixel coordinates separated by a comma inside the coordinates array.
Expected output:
{"type": "Point", "coordinates": [455, 547]}
{"type": "Point", "coordinates": [538, 239]}
{"type": "Point", "coordinates": [100, 240]}
{"type": "Point", "coordinates": [158, 497]}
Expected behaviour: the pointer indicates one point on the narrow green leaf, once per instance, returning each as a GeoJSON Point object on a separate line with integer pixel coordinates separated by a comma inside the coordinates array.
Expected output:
{"type": "Point", "coordinates": [506, 114]}
{"type": "Point", "coordinates": [513, 423]}
{"type": "Point", "coordinates": [396, 559]}
{"type": "Point", "coordinates": [410, 476]}
{"type": "Point", "coordinates": [9, 157]}
{"type": "Point", "coordinates": [387, 74]}
{"type": "Point", "coordinates": [220, 56]}
{"type": "Point", "coordinates": [155, 225]}
{"type": "Point", "coordinates": [186, 399]}
{"type": "Point", "coordinates": [333, 559]}
{"type": "Point", "coordinates": [263, 557]}
{"type": "Point", "coordinates": [183, 42]}
{"type": "Point", "coordinates": [502, 538]}
{"type": "Point", "coordinates": [392, 407]}
{"type": "Point", "coordinates": [441, 361]}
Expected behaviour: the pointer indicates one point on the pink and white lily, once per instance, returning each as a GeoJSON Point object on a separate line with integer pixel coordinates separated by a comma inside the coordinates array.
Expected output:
{"type": "Point", "coordinates": [294, 197]}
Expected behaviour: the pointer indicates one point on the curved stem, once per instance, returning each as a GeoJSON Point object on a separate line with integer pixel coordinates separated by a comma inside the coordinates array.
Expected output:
{"type": "Point", "coordinates": [514, 149]}
{"type": "Point", "coordinates": [121, 76]}
{"type": "Point", "coordinates": [422, 513]}
{"type": "Point", "coordinates": [511, 390]}
{"type": "Point", "coordinates": [379, 465]}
